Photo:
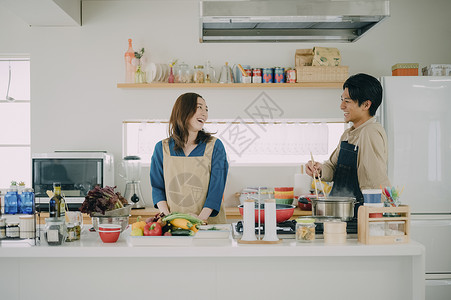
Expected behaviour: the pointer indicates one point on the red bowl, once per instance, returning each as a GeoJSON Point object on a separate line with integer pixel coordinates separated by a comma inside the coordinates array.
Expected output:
{"type": "Point", "coordinates": [305, 206]}
{"type": "Point", "coordinates": [109, 227]}
{"type": "Point", "coordinates": [109, 233]}
{"type": "Point", "coordinates": [283, 189]}
{"type": "Point", "coordinates": [283, 212]}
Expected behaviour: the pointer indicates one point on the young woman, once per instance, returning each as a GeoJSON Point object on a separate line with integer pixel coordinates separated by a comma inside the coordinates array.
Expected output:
{"type": "Point", "coordinates": [188, 170]}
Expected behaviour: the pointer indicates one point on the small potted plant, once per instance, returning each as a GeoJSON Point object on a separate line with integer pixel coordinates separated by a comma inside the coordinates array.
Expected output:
{"type": "Point", "coordinates": [140, 75]}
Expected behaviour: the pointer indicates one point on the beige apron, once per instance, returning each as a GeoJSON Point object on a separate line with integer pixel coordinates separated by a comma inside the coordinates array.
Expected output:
{"type": "Point", "coordinates": [186, 180]}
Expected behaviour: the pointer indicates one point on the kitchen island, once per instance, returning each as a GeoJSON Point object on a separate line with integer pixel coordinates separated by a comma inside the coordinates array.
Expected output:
{"type": "Point", "coordinates": [210, 269]}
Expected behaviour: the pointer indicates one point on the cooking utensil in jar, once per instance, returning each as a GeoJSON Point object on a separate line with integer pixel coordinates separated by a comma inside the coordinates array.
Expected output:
{"type": "Point", "coordinates": [341, 207]}
{"type": "Point", "coordinates": [283, 212]}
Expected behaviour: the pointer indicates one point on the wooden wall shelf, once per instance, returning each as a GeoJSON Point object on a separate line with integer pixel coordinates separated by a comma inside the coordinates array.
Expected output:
{"type": "Point", "coordinates": [164, 85]}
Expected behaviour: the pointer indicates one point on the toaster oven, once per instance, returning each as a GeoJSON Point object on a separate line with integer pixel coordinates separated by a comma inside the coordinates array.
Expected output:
{"type": "Point", "coordinates": [78, 172]}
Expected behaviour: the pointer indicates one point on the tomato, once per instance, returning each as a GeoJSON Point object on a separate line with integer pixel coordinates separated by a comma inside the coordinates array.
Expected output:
{"type": "Point", "coordinates": [153, 229]}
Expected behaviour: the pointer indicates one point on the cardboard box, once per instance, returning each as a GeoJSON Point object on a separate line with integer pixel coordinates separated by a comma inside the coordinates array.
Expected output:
{"type": "Point", "coordinates": [303, 57]}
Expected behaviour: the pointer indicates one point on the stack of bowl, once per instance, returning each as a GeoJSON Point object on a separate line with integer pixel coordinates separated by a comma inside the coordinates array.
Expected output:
{"type": "Point", "coordinates": [109, 233]}
{"type": "Point", "coordinates": [284, 195]}
{"type": "Point", "coordinates": [334, 232]}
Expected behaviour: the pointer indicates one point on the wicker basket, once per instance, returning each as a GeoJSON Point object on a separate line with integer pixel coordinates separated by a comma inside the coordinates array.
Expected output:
{"type": "Point", "coordinates": [321, 74]}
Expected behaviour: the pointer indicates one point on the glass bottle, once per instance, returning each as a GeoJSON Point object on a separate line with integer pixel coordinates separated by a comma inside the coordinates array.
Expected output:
{"type": "Point", "coordinates": [140, 75]}
{"type": "Point", "coordinates": [210, 75]}
{"type": "Point", "coordinates": [130, 69]}
{"type": "Point", "coordinates": [171, 78]}
{"type": "Point", "coordinates": [56, 201]}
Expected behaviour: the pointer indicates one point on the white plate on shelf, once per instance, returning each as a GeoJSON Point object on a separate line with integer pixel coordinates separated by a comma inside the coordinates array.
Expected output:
{"type": "Point", "coordinates": [153, 72]}
{"type": "Point", "coordinates": [165, 72]}
{"type": "Point", "coordinates": [214, 231]}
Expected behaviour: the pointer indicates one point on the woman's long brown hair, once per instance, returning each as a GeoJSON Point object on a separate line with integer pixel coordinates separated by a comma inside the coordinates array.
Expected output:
{"type": "Point", "coordinates": [184, 108]}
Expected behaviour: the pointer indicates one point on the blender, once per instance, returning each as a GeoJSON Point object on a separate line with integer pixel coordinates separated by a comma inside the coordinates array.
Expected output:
{"type": "Point", "coordinates": [132, 166]}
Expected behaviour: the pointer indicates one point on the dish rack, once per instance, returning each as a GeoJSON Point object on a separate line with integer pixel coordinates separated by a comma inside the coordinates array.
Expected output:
{"type": "Point", "coordinates": [384, 225]}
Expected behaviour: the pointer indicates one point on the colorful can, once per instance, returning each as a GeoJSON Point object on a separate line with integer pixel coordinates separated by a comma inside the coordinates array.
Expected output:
{"type": "Point", "coordinates": [279, 75]}
{"type": "Point", "coordinates": [257, 72]}
{"type": "Point", "coordinates": [256, 79]}
{"type": "Point", "coordinates": [291, 76]}
{"type": "Point", "coordinates": [268, 75]}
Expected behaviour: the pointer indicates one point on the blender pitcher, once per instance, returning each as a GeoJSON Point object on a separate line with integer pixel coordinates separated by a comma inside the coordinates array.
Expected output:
{"type": "Point", "coordinates": [132, 166]}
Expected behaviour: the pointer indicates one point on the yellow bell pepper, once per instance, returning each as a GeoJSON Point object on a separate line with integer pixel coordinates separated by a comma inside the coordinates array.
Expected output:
{"type": "Point", "coordinates": [138, 224]}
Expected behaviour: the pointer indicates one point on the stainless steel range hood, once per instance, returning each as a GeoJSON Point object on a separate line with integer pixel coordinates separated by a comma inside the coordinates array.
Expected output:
{"type": "Point", "coordinates": [288, 20]}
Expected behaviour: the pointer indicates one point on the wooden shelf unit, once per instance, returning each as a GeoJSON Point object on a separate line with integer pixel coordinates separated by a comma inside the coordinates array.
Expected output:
{"type": "Point", "coordinates": [164, 85]}
{"type": "Point", "coordinates": [364, 223]}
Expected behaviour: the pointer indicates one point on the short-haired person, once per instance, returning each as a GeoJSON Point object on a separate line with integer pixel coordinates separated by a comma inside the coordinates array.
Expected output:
{"type": "Point", "coordinates": [360, 160]}
{"type": "Point", "coordinates": [188, 170]}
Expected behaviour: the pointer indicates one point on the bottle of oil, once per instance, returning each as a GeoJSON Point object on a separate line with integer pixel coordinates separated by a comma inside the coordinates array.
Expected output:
{"type": "Point", "coordinates": [56, 201]}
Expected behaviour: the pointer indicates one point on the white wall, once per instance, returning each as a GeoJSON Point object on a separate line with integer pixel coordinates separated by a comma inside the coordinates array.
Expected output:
{"type": "Point", "coordinates": [74, 71]}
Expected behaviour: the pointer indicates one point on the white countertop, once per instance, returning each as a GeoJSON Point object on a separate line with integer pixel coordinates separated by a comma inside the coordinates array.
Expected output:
{"type": "Point", "coordinates": [91, 245]}
{"type": "Point", "coordinates": [213, 269]}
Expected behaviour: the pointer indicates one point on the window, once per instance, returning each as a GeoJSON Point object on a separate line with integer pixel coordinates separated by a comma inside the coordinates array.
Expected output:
{"type": "Point", "coordinates": [15, 156]}
{"type": "Point", "coordinates": [247, 142]}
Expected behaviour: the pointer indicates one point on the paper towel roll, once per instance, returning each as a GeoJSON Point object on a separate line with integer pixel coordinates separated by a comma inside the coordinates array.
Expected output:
{"type": "Point", "coordinates": [302, 183]}
{"type": "Point", "coordinates": [270, 221]}
{"type": "Point", "coordinates": [249, 221]}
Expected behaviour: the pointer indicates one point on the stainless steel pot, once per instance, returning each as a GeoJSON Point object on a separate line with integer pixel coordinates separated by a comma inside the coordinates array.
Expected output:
{"type": "Point", "coordinates": [339, 207]}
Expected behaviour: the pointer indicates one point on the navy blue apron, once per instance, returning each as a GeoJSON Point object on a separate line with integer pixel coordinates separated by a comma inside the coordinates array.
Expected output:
{"type": "Point", "coordinates": [346, 181]}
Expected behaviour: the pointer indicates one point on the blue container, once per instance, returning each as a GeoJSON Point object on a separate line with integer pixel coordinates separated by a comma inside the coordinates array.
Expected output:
{"type": "Point", "coordinates": [26, 201]}
{"type": "Point", "coordinates": [11, 202]}
{"type": "Point", "coordinates": [268, 75]}
{"type": "Point", "coordinates": [279, 75]}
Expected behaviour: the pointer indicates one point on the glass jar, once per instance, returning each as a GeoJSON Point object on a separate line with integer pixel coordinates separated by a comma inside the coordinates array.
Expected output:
{"type": "Point", "coordinates": [12, 230]}
{"type": "Point", "coordinates": [183, 74]}
{"type": "Point", "coordinates": [12, 201]}
{"type": "Point", "coordinates": [305, 230]}
{"type": "Point", "coordinates": [55, 231]}
{"type": "Point", "coordinates": [199, 75]}
{"type": "Point", "coordinates": [73, 232]}
{"type": "Point", "coordinates": [2, 228]}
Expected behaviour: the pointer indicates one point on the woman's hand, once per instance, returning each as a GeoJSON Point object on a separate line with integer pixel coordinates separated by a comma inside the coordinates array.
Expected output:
{"type": "Point", "coordinates": [313, 169]}
{"type": "Point", "coordinates": [204, 214]}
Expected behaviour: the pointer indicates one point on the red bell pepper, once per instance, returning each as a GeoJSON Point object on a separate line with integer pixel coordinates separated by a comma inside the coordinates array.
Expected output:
{"type": "Point", "coordinates": [153, 229]}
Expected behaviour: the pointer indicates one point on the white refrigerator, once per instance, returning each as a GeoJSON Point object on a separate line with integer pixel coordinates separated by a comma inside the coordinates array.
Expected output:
{"type": "Point", "coordinates": [416, 114]}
